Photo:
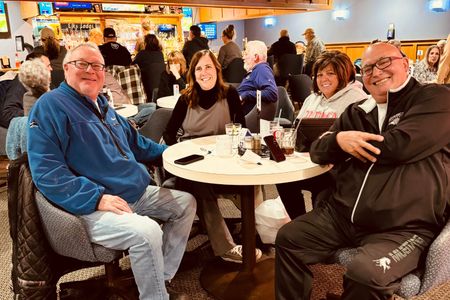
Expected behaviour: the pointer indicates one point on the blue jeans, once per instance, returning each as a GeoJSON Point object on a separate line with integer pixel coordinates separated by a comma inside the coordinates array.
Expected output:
{"type": "Point", "coordinates": [155, 253]}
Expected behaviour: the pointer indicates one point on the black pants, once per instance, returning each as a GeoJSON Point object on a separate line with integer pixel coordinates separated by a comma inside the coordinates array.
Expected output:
{"type": "Point", "coordinates": [292, 197]}
{"type": "Point", "coordinates": [374, 273]}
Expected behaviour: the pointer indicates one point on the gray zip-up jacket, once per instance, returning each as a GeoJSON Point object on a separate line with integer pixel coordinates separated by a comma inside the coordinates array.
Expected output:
{"type": "Point", "coordinates": [408, 186]}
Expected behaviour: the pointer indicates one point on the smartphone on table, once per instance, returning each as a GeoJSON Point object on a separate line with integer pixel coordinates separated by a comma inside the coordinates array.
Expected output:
{"type": "Point", "coordinates": [189, 159]}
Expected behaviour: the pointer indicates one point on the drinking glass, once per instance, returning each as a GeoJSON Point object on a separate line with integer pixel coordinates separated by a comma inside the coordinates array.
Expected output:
{"type": "Point", "coordinates": [288, 141]}
{"type": "Point", "coordinates": [233, 130]}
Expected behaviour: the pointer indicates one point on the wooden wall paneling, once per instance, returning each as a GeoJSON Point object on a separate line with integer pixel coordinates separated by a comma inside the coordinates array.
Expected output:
{"type": "Point", "coordinates": [239, 13]}
{"type": "Point", "coordinates": [228, 13]}
{"type": "Point", "coordinates": [337, 48]}
{"type": "Point", "coordinates": [355, 52]}
{"type": "Point", "coordinates": [410, 50]}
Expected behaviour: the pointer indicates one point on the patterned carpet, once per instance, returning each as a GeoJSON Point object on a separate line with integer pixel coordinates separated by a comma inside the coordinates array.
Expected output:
{"type": "Point", "coordinates": [328, 278]}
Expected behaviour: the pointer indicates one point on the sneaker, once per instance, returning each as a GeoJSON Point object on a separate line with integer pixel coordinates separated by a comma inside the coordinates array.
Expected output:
{"type": "Point", "coordinates": [235, 254]}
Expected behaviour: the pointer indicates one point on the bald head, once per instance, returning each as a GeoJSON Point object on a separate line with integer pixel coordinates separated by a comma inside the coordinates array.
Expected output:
{"type": "Point", "coordinates": [384, 68]}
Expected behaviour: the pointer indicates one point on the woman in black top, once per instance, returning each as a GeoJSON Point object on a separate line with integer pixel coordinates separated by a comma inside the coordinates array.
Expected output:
{"type": "Point", "coordinates": [151, 62]}
{"type": "Point", "coordinates": [175, 73]}
{"type": "Point", "coordinates": [206, 87]}
{"type": "Point", "coordinates": [203, 109]}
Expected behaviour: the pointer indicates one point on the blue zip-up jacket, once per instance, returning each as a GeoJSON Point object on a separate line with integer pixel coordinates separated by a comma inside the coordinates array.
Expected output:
{"type": "Point", "coordinates": [77, 153]}
{"type": "Point", "coordinates": [259, 78]}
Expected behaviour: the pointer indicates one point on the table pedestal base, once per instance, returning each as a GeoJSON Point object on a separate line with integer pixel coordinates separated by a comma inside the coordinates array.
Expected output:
{"type": "Point", "coordinates": [226, 281]}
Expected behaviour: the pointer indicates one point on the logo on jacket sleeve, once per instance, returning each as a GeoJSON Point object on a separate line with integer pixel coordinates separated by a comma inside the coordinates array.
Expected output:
{"type": "Point", "coordinates": [383, 263]}
{"type": "Point", "coordinates": [34, 124]}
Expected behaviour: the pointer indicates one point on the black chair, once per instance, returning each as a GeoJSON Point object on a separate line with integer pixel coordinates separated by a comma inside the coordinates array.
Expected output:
{"type": "Point", "coordinates": [300, 87]}
{"type": "Point", "coordinates": [268, 111]}
{"type": "Point", "coordinates": [287, 108]}
{"type": "Point", "coordinates": [235, 71]}
{"type": "Point", "coordinates": [309, 130]}
{"type": "Point", "coordinates": [288, 64]}
{"type": "Point", "coordinates": [156, 124]}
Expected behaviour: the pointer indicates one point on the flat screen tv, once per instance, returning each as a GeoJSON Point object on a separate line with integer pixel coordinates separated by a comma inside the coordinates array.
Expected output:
{"type": "Point", "coordinates": [45, 8]}
{"type": "Point", "coordinates": [209, 30]}
{"type": "Point", "coordinates": [71, 6]}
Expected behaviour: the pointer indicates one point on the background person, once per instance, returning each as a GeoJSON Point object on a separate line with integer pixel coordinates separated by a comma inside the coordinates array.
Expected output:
{"type": "Point", "coordinates": [95, 36]}
{"type": "Point", "coordinates": [175, 73]}
{"type": "Point", "coordinates": [13, 105]}
{"type": "Point", "coordinates": [35, 76]}
{"type": "Point", "coordinates": [107, 186]}
{"type": "Point", "coordinates": [146, 28]}
{"type": "Point", "coordinates": [50, 47]}
{"type": "Point", "coordinates": [313, 49]}
{"type": "Point", "coordinates": [334, 90]}
{"type": "Point", "coordinates": [282, 46]}
{"type": "Point", "coordinates": [147, 60]}
{"type": "Point", "coordinates": [426, 70]}
{"type": "Point", "coordinates": [259, 77]}
{"type": "Point", "coordinates": [204, 109]}
{"type": "Point", "coordinates": [443, 72]}
{"type": "Point", "coordinates": [230, 50]}
{"type": "Point", "coordinates": [195, 43]}
{"type": "Point", "coordinates": [441, 44]}
{"type": "Point", "coordinates": [387, 141]}
{"type": "Point", "coordinates": [113, 52]}
{"type": "Point", "coordinates": [300, 47]}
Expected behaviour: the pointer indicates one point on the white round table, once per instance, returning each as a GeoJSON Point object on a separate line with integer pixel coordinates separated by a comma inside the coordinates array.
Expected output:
{"type": "Point", "coordinates": [247, 177]}
{"type": "Point", "coordinates": [167, 102]}
{"type": "Point", "coordinates": [126, 110]}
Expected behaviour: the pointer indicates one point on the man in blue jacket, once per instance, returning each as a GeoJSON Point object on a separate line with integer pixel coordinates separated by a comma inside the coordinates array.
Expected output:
{"type": "Point", "coordinates": [259, 77]}
{"type": "Point", "coordinates": [84, 158]}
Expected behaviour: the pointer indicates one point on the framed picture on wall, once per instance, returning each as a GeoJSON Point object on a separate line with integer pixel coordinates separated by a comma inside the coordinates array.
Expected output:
{"type": "Point", "coordinates": [5, 32]}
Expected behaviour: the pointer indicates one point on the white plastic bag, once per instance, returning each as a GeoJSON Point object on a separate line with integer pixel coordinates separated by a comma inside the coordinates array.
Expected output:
{"type": "Point", "coordinates": [270, 215]}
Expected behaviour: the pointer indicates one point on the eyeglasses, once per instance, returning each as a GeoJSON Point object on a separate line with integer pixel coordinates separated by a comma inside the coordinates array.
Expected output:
{"type": "Point", "coordinates": [381, 64]}
{"type": "Point", "coordinates": [84, 65]}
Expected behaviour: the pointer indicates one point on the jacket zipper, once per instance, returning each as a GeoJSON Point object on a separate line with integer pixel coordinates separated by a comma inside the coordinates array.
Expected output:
{"type": "Point", "coordinates": [360, 191]}
{"type": "Point", "coordinates": [114, 139]}
{"type": "Point", "coordinates": [102, 119]}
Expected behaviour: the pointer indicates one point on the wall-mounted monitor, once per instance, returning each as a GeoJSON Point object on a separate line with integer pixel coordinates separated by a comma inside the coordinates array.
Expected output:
{"type": "Point", "coordinates": [209, 30]}
{"type": "Point", "coordinates": [111, 7]}
{"type": "Point", "coordinates": [169, 29]}
{"type": "Point", "coordinates": [5, 33]}
{"type": "Point", "coordinates": [72, 6]}
{"type": "Point", "coordinates": [45, 8]}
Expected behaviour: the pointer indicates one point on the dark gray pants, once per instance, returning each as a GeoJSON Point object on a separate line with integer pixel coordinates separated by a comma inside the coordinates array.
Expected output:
{"type": "Point", "coordinates": [374, 273]}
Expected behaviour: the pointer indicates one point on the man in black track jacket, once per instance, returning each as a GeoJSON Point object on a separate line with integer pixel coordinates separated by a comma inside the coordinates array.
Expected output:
{"type": "Point", "coordinates": [391, 157]}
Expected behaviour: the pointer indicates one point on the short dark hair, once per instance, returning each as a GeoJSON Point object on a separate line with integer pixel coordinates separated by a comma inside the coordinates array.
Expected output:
{"type": "Point", "coordinates": [34, 55]}
{"type": "Point", "coordinates": [196, 31]}
{"type": "Point", "coordinates": [341, 64]}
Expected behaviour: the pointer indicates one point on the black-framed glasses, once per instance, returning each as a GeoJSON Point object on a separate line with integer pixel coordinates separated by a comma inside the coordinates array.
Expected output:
{"type": "Point", "coordinates": [381, 64]}
{"type": "Point", "coordinates": [84, 65]}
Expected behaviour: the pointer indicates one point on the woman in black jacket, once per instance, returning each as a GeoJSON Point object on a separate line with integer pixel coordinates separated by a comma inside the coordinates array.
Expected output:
{"type": "Point", "coordinates": [151, 62]}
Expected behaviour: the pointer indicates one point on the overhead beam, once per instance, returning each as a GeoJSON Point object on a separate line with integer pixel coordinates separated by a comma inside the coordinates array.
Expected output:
{"type": "Point", "coordinates": [305, 5]}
